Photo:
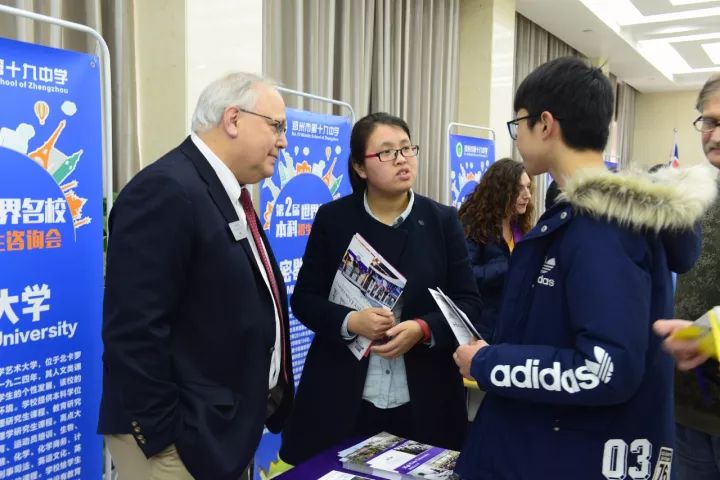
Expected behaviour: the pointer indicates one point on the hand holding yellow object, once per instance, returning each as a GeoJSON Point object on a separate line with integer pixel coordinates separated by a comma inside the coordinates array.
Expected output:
{"type": "Point", "coordinates": [691, 343]}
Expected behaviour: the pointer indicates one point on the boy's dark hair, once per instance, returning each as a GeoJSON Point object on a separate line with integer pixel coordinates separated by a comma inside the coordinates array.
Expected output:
{"type": "Point", "coordinates": [551, 194]}
{"type": "Point", "coordinates": [578, 95]}
{"type": "Point", "coordinates": [361, 131]}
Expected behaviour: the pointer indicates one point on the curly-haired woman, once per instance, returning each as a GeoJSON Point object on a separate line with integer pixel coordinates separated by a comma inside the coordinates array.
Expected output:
{"type": "Point", "coordinates": [495, 216]}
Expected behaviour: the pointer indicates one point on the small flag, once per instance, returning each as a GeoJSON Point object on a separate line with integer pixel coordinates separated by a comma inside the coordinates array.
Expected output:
{"type": "Point", "coordinates": [675, 157]}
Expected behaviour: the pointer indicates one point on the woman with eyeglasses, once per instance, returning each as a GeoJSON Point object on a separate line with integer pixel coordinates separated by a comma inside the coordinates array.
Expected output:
{"type": "Point", "coordinates": [495, 216]}
{"type": "Point", "coordinates": [408, 385]}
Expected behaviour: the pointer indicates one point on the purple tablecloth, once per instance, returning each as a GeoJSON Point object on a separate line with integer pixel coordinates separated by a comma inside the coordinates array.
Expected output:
{"type": "Point", "coordinates": [321, 464]}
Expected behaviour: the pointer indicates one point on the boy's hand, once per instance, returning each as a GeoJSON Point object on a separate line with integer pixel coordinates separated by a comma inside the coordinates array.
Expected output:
{"type": "Point", "coordinates": [464, 354]}
{"type": "Point", "coordinates": [685, 352]}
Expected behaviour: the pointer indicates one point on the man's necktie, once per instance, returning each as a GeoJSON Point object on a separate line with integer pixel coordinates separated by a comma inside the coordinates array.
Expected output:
{"type": "Point", "coordinates": [249, 210]}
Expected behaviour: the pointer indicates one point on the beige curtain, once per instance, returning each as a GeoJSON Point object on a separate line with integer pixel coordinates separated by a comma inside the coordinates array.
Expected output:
{"type": "Point", "coordinates": [625, 123]}
{"type": "Point", "coordinates": [533, 47]}
{"type": "Point", "coordinates": [113, 19]}
{"type": "Point", "coordinates": [398, 56]}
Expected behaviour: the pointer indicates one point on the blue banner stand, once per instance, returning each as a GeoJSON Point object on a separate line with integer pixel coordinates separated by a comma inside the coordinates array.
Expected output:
{"type": "Point", "coordinates": [467, 159]}
{"type": "Point", "coordinates": [106, 156]}
{"type": "Point", "coordinates": [310, 172]}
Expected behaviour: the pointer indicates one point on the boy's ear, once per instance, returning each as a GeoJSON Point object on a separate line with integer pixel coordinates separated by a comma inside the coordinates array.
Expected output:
{"type": "Point", "coordinates": [548, 122]}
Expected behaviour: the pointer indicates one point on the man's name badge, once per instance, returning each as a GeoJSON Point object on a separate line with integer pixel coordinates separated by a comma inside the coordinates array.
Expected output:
{"type": "Point", "coordinates": [238, 230]}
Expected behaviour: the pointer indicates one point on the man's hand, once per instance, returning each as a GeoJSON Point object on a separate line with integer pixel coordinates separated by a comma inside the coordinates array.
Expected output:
{"type": "Point", "coordinates": [402, 338]}
{"type": "Point", "coordinates": [464, 354]}
{"type": "Point", "coordinates": [685, 352]}
{"type": "Point", "coordinates": [372, 323]}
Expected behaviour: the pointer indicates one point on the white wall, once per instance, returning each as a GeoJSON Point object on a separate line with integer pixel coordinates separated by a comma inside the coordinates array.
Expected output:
{"type": "Point", "coordinates": [656, 115]}
{"type": "Point", "coordinates": [161, 82]}
{"type": "Point", "coordinates": [182, 46]}
{"type": "Point", "coordinates": [222, 36]}
{"type": "Point", "coordinates": [486, 63]}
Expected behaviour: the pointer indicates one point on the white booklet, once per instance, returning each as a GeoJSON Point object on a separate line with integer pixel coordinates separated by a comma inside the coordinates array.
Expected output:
{"type": "Point", "coordinates": [465, 332]}
{"type": "Point", "coordinates": [363, 280]}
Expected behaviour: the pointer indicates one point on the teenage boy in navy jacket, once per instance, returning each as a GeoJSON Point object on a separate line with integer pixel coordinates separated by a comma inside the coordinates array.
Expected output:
{"type": "Point", "coordinates": [577, 384]}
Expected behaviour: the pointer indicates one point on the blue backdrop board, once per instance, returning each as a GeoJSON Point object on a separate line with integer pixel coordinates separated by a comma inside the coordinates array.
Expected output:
{"type": "Point", "coordinates": [311, 171]}
{"type": "Point", "coordinates": [470, 157]}
{"type": "Point", "coordinates": [51, 263]}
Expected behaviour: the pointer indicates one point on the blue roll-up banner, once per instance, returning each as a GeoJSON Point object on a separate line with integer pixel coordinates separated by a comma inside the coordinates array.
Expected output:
{"type": "Point", "coordinates": [470, 157]}
{"type": "Point", "coordinates": [311, 171]}
{"type": "Point", "coordinates": [51, 263]}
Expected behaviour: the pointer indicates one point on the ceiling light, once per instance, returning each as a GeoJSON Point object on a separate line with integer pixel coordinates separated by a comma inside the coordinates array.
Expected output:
{"type": "Point", "coordinates": [614, 12]}
{"type": "Point", "coordinates": [713, 51]}
{"type": "Point", "coordinates": [672, 17]}
{"type": "Point", "coordinates": [689, 2]}
{"type": "Point", "coordinates": [672, 30]}
{"type": "Point", "coordinates": [694, 38]}
{"type": "Point", "coordinates": [664, 57]}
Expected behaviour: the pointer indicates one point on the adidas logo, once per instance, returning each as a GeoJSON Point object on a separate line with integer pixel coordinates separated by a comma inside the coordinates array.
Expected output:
{"type": "Point", "coordinates": [548, 265]}
{"type": "Point", "coordinates": [530, 375]}
{"type": "Point", "coordinates": [603, 368]}
{"type": "Point", "coordinates": [546, 268]}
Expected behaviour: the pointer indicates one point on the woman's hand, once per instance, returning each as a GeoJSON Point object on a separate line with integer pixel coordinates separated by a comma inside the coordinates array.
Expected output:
{"type": "Point", "coordinates": [372, 323]}
{"type": "Point", "coordinates": [403, 337]}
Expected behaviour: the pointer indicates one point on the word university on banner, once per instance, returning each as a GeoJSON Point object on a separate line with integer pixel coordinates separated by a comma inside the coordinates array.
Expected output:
{"type": "Point", "coordinates": [311, 171]}
{"type": "Point", "coordinates": [51, 263]}
{"type": "Point", "coordinates": [470, 157]}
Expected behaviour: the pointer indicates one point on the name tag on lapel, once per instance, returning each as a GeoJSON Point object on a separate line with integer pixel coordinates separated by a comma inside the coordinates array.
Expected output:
{"type": "Point", "coordinates": [238, 229]}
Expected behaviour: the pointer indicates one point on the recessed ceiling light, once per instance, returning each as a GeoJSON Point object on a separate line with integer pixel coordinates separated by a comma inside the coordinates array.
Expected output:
{"type": "Point", "coordinates": [713, 51]}
{"type": "Point", "coordinates": [676, 29]}
{"type": "Point", "coordinates": [614, 13]}
{"type": "Point", "coordinates": [664, 57]}
{"type": "Point", "coordinates": [689, 2]}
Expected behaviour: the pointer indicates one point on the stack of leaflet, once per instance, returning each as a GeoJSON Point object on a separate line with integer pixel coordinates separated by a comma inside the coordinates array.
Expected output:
{"type": "Point", "coordinates": [395, 458]}
{"type": "Point", "coordinates": [706, 330]}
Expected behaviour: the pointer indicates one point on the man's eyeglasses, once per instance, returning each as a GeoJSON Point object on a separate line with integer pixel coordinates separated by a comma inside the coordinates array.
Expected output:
{"type": "Point", "coordinates": [512, 125]}
{"type": "Point", "coordinates": [706, 125]}
{"type": "Point", "coordinates": [391, 154]}
{"type": "Point", "coordinates": [280, 127]}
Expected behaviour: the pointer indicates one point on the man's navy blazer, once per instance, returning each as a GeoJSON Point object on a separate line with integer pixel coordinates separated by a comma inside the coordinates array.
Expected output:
{"type": "Point", "coordinates": [429, 249]}
{"type": "Point", "coordinates": [188, 323]}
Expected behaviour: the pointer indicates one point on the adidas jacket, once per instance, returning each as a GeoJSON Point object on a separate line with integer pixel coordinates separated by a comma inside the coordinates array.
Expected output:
{"type": "Point", "coordinates": [577, 384]}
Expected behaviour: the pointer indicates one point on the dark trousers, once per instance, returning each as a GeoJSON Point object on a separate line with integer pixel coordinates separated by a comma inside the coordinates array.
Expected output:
{"type": "Point", "coordinates": [398, 421]}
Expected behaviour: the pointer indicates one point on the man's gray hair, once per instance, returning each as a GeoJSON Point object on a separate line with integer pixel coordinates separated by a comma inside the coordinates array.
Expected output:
{"type": "Point", "coordinates": [235, 89]}
{"type": "Point", "coordinates": [709, 90]}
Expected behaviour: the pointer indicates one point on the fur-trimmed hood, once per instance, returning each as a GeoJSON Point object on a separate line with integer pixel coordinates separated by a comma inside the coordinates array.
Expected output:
{"type": "Point", "coordinates": [668, 199]}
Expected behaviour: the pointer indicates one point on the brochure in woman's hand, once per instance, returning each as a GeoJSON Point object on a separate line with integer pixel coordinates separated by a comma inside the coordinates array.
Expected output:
{"type": "Point", "coordinates": [363, 280]}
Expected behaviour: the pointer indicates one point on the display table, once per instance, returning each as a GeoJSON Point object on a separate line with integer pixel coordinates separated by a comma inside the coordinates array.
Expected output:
{"type": "Point", "coordinates": [321, 464]}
